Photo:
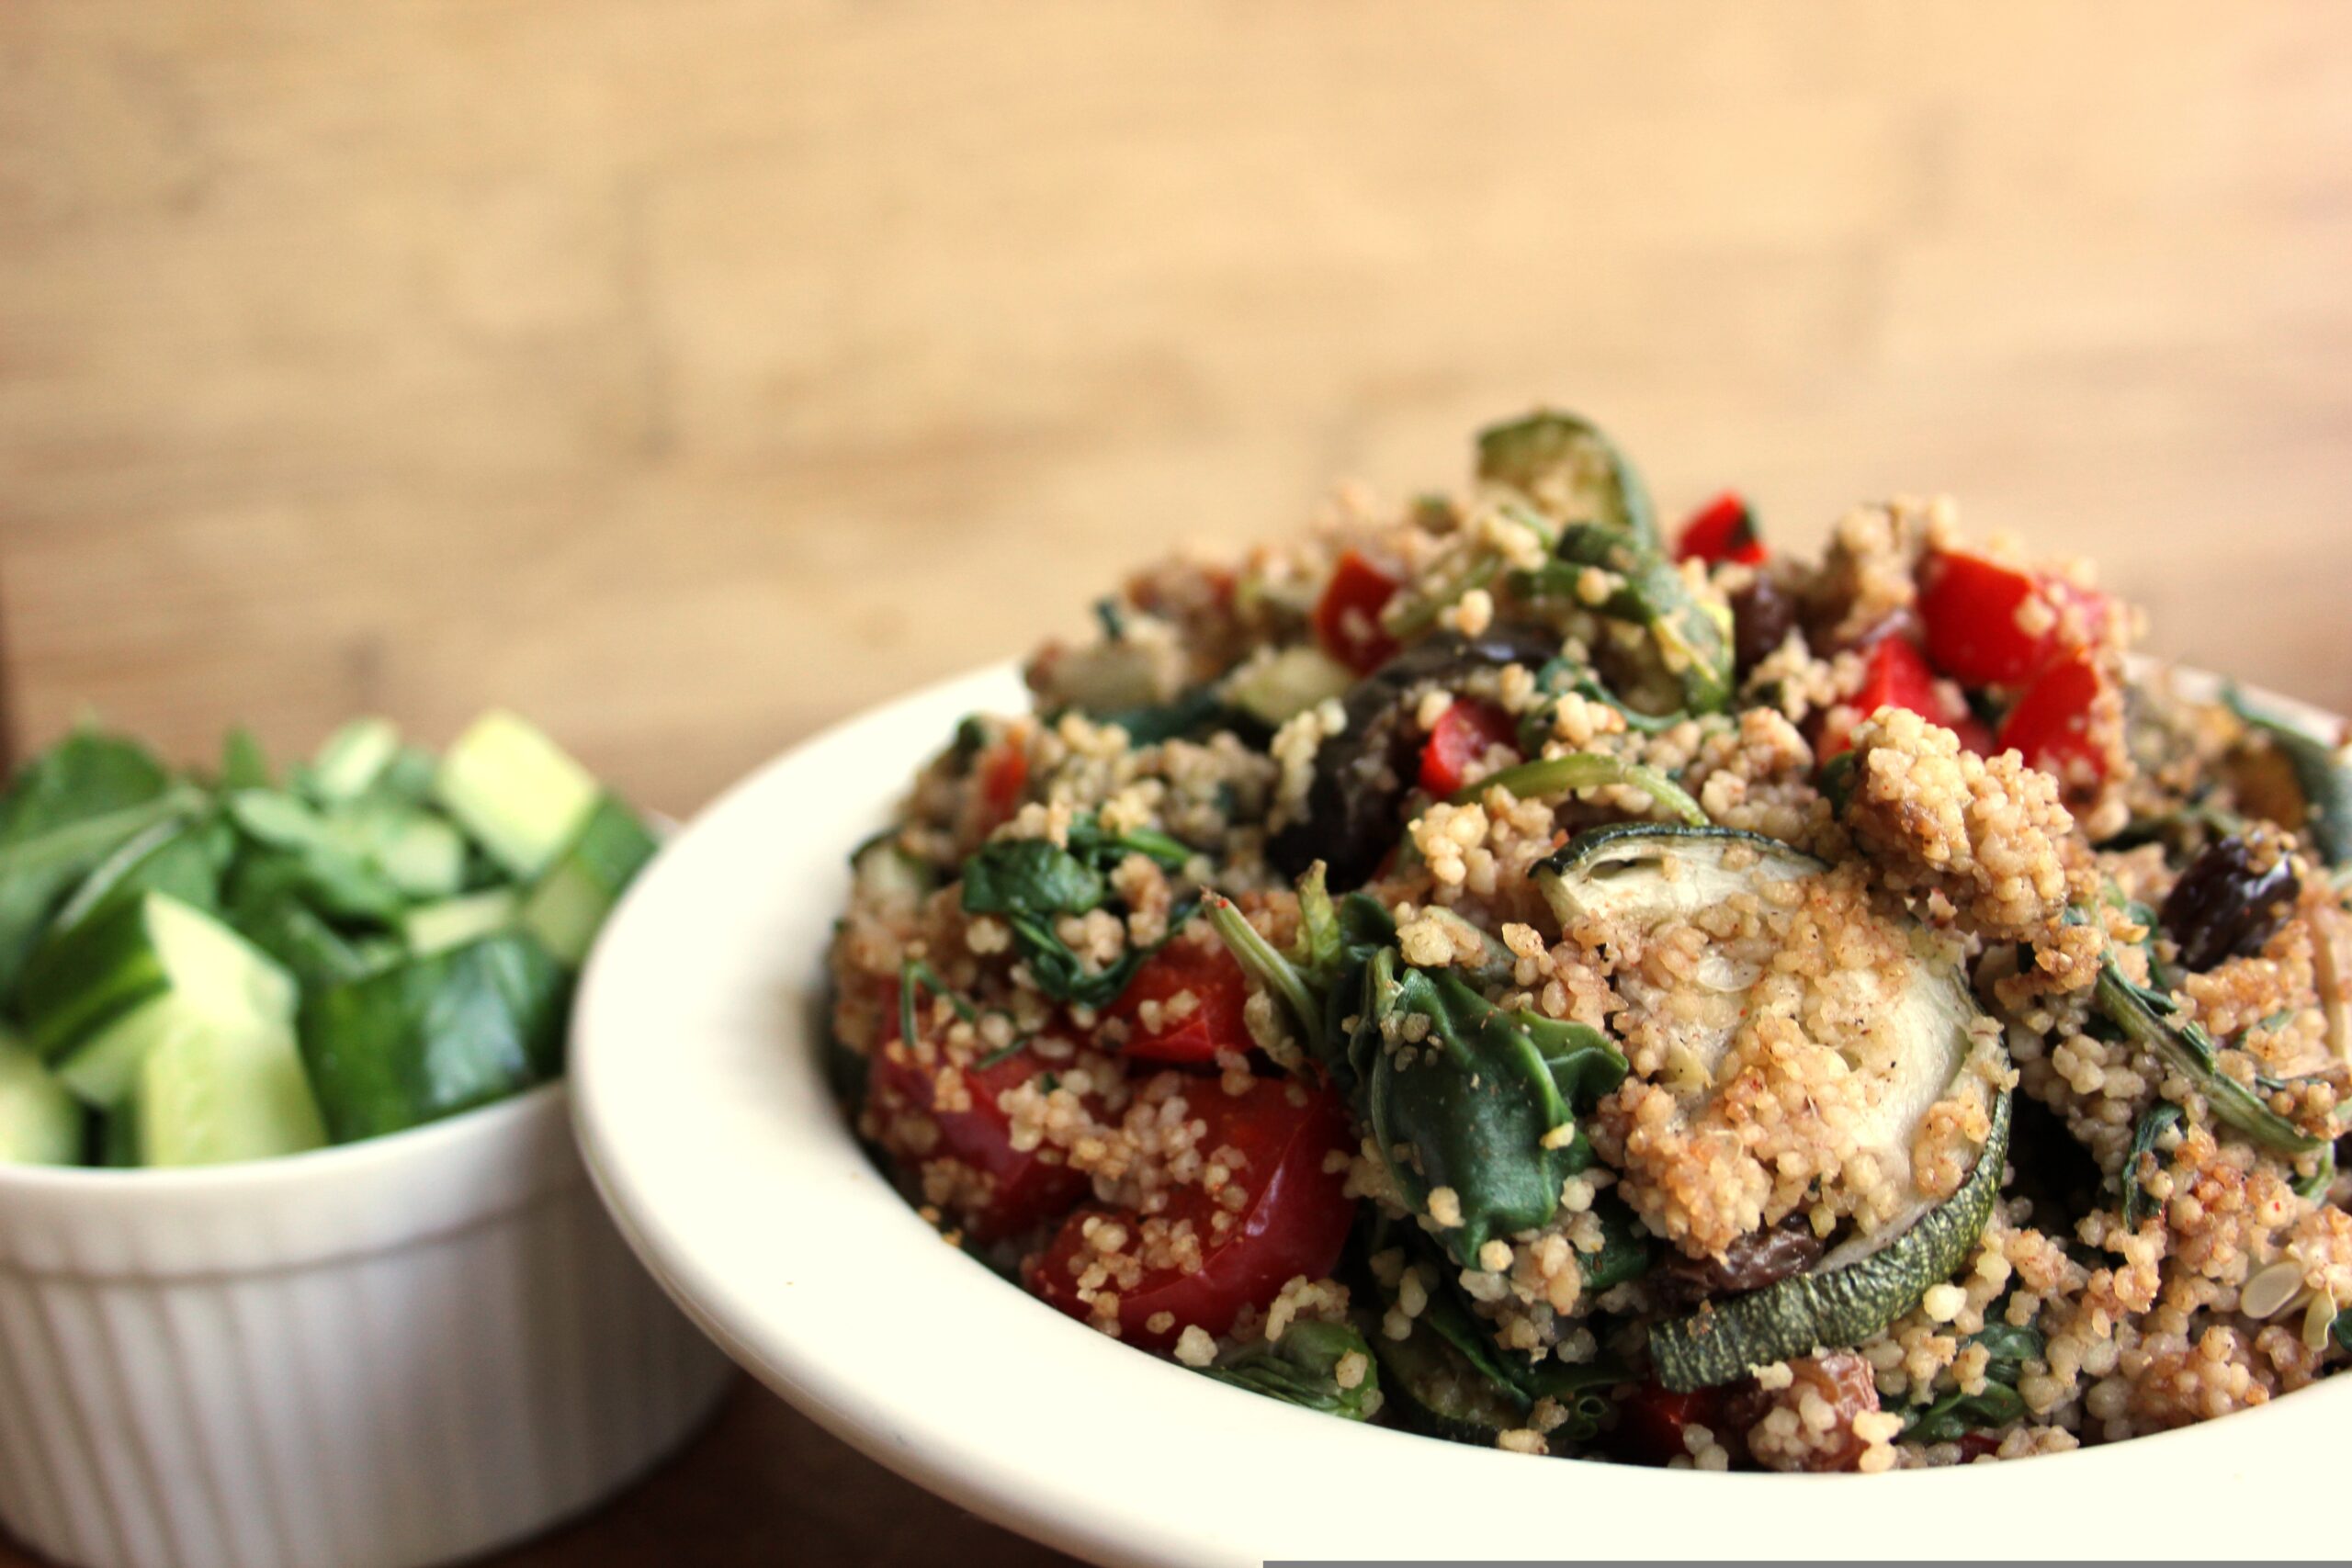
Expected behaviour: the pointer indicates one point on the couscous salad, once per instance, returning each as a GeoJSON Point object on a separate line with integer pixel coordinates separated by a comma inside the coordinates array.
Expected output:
{"type": "Point", "coordinates": [1502, 968]}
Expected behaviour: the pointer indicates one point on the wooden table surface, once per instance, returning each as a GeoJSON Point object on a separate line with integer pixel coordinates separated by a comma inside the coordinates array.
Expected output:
{"type": "Point", "coordinates": [690, 374]}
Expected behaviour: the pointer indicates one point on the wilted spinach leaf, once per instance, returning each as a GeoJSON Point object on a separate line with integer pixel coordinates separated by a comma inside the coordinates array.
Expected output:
{"type": "Point", "coordinates": [1301, 1369]}
{"type": "Point", "coordinates": [1031, 882]}
{"type": "Point", "coordinates": [70, 809]}
{"type": "Point", "coordinates": [1463, 1095]}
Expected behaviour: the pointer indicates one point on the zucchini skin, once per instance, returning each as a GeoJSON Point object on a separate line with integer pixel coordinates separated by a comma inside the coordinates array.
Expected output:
{"type": "Point", "coordinates": [1720, 1344]}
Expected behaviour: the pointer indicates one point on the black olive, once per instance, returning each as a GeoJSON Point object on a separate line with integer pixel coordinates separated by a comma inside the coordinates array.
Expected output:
{"type": "Point", "coordinates": [1762, 615]}
{"type": "Point", "coordinates": [1749, 1263]}
{"type": "Point", "coordinates": [2232, 900]}
{"type": "Point", "coordinates": [1364, 774]}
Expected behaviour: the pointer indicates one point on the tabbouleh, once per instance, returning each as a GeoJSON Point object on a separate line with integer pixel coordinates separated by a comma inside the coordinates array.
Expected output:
{"type": "Point", "coordinates": [1495, 968]}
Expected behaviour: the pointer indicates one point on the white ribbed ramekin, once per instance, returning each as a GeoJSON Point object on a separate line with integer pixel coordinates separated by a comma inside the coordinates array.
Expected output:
{"type": "Point", "coordinates": [386, 1354]}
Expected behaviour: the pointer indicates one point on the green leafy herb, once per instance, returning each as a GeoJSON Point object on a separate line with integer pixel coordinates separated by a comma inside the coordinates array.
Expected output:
{"type": "Point", "coordinates": [1956, 1414]}
{"type": "Point", "coordinates": [2144, 1015]}
{"type": "Point", "coordinates": [2137, 1204]}
{"type": "Point", "coordinates": [1463, 1095]}
{"type": "Point", "coordinates": [1301, 1369]}
{"type": "Point", "coordinates": [1031, 882]}
{"type": "Point", "coordinates": [69, 809]}
{"type": "Point", "coordinates": [1626, 1251]}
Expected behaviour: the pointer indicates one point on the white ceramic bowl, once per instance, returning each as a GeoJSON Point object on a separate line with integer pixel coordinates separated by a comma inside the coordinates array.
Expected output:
{"type": "Point", "coordinates": [706, 1122]}
{"type": "Point", "coordinates": [389, 1353]}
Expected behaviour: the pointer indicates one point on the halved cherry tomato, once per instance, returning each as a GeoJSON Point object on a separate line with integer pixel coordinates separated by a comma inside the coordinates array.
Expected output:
{"type": "Point", "coordinates": [1295, 1222]}
{"type": "Point", "coordinates": [1465, 732]}
{"type": "Point", "coordinates": [1652, 1419]}
{"type": "Point", "coordinates": [2051, 722]}
{"type": "Point", "coordinates": [1723, 530]}
{"type": "Point", "coordinates": [1214, 1023]}
{"type": "Point", "coordinates": [1896, 675]}
{"type": "Point", "coordinates": [1347, 618]}
{"type": "Point", "coordinates": [1024, 1190]}
{"type": "Point", "coordinates": [1004, 773]}
{"type": "Point", "coordinates": [1970, 607]}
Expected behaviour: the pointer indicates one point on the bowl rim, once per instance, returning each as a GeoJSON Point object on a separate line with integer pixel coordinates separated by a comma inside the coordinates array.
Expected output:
{"type": "Point", "coordinates": [978, 1433]}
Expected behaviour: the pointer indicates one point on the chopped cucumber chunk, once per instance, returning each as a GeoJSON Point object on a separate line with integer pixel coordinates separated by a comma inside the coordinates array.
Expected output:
{"type": "Point", "coordinates": [1287, 683]}
{"type": "Point", "coordinates": [516, 790]}
{"type": "Point", "coordinates": [354, 757]}
{"type": "Point", "coordinates": [435, 1036]}
{"type": "Point", "coordinates": [453, 923]}
{"type": "Point", "coordinates": [569, 906]}
{"type": "Point", "coordinates": [41, 1122]}
{"type": "Point", "coordinates": [99, 1000]}
{"type": "Point", "coordinates": [207, 1093]}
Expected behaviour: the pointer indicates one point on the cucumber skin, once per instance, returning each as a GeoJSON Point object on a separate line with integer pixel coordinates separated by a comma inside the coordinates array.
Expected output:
{"type": "Point", "coordinates": [568, 907]}
{"type": "Point", "coordinates": [1838, 1309]}
{"type": "Point", "coordinates": [69, 995]}
{"type": "Point", "coordinates": [434, 1036]}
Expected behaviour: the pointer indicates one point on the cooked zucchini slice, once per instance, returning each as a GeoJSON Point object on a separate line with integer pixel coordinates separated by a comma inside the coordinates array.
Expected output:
{"type": "Point", "coordinates": [1567, 470]}
{"type": "Point", "coordinates": [1847, 1298]}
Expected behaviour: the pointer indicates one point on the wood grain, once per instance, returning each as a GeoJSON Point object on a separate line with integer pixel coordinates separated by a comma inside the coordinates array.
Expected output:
{"type": "Point", "coordinates": [690, 375]}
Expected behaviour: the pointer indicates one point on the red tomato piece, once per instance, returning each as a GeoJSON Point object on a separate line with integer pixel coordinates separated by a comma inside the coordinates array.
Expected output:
{"type": "Point", "coordinates": [1294, 1223]}
{"type": "Point", "coordinates": [1652, 1419]}
{"type": "Point", "coordinates": [1022, 1189]}
{"type": "Point", "coordinates": [1213, 1024]}
{"type": "Point", "coordinates": [1004, 774]}
{"type": "Point", "coordinates": [1347, 618]}
{"type": "Point", "coordinates": [1972, 608]}
{"type": "Point", "coordinates": [1896, 675]}
{"type": "Point", "coordinates": [2050, 725]}
{"type": "Point", "coordinates": [1465, 732]}
{"type": "Point", "coordinates": [1975, 1446]}
{"type": "Point", "coordinates": [1723, 530]}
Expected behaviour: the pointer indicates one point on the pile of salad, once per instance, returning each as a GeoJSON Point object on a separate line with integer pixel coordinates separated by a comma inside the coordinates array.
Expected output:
{"type": "Point", "coordinates": [1501, 967]}
{"type": "Point", "coordinates": [196, 969]}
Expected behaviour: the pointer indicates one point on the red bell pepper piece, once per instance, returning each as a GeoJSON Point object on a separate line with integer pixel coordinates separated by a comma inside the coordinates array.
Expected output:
{"type": "Point", "coordinates": [1897, 676]}
{"type": "Point", "coordinates": [1465, 732]}
{"type": "Point", "coordinates": [1977, 612]}
{"type": "Point", "coordinates": [1723, 530]}
{"type": "Point", "coordinates": [1022, 1188]}
{"type": "Point", "coordinates": [2050, 725]}
{"type": "Point", "coordinates": [1214, 1023]}
{"type": "Point", "coordinates": [1294, 1220]}
{"type": "Point", "coordinates": [1347, 618]}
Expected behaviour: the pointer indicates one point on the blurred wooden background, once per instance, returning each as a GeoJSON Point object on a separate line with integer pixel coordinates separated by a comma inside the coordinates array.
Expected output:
{"type": "Point", "coordinates": [690, 374]}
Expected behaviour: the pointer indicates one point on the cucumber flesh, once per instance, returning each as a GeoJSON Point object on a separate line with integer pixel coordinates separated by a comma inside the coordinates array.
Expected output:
{"type": "Point", "coordinates": [132, 976]}
{"type": "Point", "coordinates": [435, 1036]}
{"type": "Point", "coordinates": [516, 790]}
{"type": "Point", "coordinates": [354, 757]}
{"type": "Point", "coordinates": [568, 907]}
{"type": "Point", "coordinates": [208, 1093]}
{"type": "Point", "coordinates": [41, 1122]}
{"type": "Point", "coordinates": [453, 923]}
